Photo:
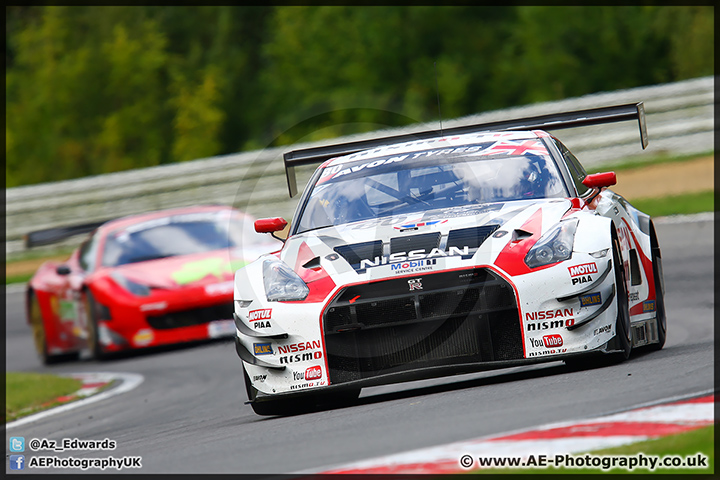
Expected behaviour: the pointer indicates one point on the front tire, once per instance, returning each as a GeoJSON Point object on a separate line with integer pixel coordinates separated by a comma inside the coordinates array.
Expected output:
{"type": "Point", "coordinates": [295, 405]}
{"type": "Point", "coordinates": [660, 316]}
{"type": "Point", "coordinates": [623, 335]}
{"type": "Point", "coordinates": [93, 341]}
{"type": "Point", "coordinates": [249, 389]}
{"type": "Point", "coordinates": [284, 406]}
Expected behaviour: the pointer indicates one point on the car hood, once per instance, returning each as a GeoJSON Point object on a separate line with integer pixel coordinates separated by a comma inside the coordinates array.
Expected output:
{"type": "Point", "coordinates": [442, 233]}
{"type": "Point", "coordinates": [184, 270]}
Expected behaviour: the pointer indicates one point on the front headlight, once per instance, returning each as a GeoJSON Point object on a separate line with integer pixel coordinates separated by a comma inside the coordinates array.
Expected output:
{"type": "Point", "coordinates": [132, 287]}
{"type": "Point", "coordinates": [281, 283]}
{"type": "Point", "coordinates": [555, 246]}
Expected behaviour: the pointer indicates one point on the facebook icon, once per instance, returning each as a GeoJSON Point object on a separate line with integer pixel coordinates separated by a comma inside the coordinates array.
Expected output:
{"type": "Point", "coordinates": [17, 462]}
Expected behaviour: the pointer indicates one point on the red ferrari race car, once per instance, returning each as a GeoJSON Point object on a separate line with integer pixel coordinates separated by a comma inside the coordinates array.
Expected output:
{"type": "Point", "coordinates": [141, 281]}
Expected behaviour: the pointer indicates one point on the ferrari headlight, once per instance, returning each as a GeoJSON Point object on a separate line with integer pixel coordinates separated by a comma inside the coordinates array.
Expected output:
{"type": "Point", "coordinates": [555, 246]}
{"type": "Point", "coordinates": [132, 287]}
{"type": "Point", "coordinates": [281, 283]}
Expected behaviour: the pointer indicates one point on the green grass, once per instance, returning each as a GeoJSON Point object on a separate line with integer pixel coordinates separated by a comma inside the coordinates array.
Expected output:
{"type": "Point", "coordinates": [28, 392]}
{"type": "Point", "coordinates": [18, 278]}
{"type": "Point", "coordinates": [636, 162]}
{"type": "Point", "coordinates": [686, 444]}
{"type": "Point", "coordinates": [684, 204]}
{"type": "Point", "coordinates": [60, 251]}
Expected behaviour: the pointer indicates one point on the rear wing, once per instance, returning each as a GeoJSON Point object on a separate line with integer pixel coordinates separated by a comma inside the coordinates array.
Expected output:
{"type": "Point", "coordinates": [58, 234]}
{"type": "Point", "coordinates": [578, 118]}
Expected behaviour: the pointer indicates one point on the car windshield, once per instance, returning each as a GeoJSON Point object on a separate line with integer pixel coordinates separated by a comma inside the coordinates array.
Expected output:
{"type": "Point", "coordinates": [432, 179]}
{"type": "Point", "coordinates": [181, 234]}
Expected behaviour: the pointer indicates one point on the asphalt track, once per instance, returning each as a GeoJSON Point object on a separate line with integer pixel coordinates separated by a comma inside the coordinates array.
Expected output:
{"type": "Point", "coordinates": [188, 415]}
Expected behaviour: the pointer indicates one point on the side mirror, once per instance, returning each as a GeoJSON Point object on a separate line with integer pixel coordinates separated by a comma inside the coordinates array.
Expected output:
{"type": "Point", "coordinates": [271, 225]}
{"type": "Point", "coordinates": [62, 270]}
{"type": "Point", "coordinates": [599, 180]}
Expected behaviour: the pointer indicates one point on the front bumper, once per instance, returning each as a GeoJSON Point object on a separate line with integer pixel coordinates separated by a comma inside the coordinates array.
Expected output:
{"type": "Point", "coordinates": [129, 326]}
{"type": "Point", "coordinates": [424, 373]}
{"type": "Point", "coordinates": [460, 321]}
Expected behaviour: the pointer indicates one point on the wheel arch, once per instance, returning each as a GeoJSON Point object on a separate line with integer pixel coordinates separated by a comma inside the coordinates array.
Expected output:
{"type": "Point", "coordinates": [654, 243]}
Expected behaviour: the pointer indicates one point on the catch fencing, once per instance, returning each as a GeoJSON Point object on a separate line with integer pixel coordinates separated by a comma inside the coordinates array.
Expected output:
{"type": "Point", "coordinates": [680, 120]}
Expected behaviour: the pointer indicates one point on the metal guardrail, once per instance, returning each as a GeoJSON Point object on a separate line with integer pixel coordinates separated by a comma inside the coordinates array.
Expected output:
{"type": "Point", "coordinates": [680, 120]}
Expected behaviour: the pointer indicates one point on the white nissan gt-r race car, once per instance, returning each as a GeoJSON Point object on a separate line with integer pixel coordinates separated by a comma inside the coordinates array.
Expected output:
{"type": "Point", "coordinates": [437, 253]}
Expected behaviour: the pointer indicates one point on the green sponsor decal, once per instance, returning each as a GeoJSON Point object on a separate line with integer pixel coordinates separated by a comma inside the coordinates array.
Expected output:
{"type": "Point", "coordinates": [194, 271]}
{"type": "Point", "coordinates": [67, 310]}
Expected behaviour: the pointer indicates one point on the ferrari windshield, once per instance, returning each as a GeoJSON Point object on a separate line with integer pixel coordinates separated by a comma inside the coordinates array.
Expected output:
{"type": "Point", "coordinates": [181, 234]}
{"type": "Point", "coordinates": [433, 179]}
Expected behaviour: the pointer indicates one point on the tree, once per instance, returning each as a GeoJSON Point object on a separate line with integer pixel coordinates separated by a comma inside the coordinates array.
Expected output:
{"type": "Point", "coordinates": [84, 98]}
{"type": "Point", "coordinates": [93, 89]}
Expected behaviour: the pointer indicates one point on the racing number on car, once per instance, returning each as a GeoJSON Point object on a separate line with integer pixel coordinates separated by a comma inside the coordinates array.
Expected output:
{"type": "Point", "coordinates": [624, 237]}
{"type": "Point", "coordinates": [72, 312]}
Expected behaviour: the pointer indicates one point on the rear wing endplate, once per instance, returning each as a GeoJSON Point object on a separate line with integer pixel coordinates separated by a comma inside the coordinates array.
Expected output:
{"type": "Point", "coordinates": [578, 118]}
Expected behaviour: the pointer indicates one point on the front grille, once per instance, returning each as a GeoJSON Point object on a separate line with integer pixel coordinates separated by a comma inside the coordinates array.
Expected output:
{"type": "Point", "coordinates": [195, 316]}
{"type": "Point", "coordinates": [467, 240]}
{"type": "Point", "coordinates": [426, 242]}
{"type": "Point", "coordinates": [355, 253]}
{"type": "Point", "coordinates": [457, 317]}
{"type": "Point", "coordinates": [472, 237]}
